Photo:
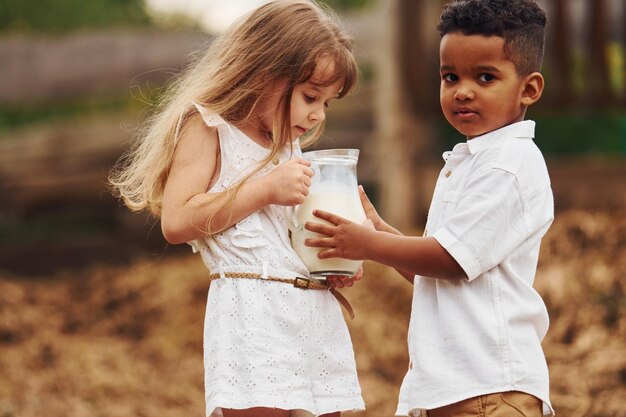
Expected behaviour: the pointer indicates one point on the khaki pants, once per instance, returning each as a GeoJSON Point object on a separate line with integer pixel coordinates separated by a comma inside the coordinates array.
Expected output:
{"type": "Point", "coordinates": [499, 404]}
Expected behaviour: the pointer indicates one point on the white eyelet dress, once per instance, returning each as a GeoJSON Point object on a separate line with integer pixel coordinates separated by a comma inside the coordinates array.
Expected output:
{"type": "Point", "coordinates": [266, 343]}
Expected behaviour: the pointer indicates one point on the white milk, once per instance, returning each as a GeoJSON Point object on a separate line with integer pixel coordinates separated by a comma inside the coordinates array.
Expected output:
{"type": "Point", "coordinates": [345, 205]}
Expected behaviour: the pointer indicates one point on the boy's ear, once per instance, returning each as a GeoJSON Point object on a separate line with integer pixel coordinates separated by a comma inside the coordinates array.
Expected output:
{"type": "Point", "coordinates": [533, 88]}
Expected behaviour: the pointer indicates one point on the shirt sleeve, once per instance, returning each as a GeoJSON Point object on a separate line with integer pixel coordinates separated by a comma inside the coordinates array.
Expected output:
{"type": "Point", "coordinates": [486, 223]}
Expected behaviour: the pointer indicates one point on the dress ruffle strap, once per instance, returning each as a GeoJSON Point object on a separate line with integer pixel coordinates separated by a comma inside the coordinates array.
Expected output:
{"type": "Point", "coordinates": [210, 117]}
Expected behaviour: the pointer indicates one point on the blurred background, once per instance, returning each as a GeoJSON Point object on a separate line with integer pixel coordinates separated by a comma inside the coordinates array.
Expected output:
{"type": "Point", "coordinates": [100, 317]}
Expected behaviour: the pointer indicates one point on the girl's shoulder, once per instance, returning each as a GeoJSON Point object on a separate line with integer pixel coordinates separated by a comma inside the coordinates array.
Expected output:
{"type": "Point", "coordinates": [210, 117]}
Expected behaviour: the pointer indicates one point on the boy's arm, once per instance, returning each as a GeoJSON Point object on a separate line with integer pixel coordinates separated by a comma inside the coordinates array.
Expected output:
{"type": "Point", "coordinates": [407, 275]}
{"type": "Point", "coordinates": [382, 226]}
{"type": "Point", "coordinates": [408, 254]}
{"type": "Point", "coordinates": [386, 228]}
{"type": "Point", "coordinates": [420, 255]}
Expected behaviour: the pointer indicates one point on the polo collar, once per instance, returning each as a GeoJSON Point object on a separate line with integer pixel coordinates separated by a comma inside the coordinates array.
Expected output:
{"type": "Point", "coordinates": [524, 129]}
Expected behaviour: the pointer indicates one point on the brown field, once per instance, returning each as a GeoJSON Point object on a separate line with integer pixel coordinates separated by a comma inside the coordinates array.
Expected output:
{"type": "Point", "coordinates": [126, 341]}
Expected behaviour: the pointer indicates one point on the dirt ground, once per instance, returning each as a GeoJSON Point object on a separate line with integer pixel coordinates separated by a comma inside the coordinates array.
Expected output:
{"type": "Point", "coordinates": [126, 341]}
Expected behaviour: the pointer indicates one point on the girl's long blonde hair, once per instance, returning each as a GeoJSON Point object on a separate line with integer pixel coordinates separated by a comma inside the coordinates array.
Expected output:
{"type": "Point", "coordinates": [280, 41]}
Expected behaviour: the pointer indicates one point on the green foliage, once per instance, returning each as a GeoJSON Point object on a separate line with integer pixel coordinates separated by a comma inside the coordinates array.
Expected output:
{"type": "Point", "coordinates": [47, 227]}
{"type": "Point", "coordinates": [587, 133]}
{"type": "Point", "coordinates": [16, 116]}
{"type": "Point", "coordinates": [65, 15]}
{"type": "Point", "coordinates": [563, 133]}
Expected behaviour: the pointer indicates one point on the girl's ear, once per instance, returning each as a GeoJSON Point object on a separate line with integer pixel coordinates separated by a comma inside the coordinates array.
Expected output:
{"type": "Point", "coordinates": [533, 88]}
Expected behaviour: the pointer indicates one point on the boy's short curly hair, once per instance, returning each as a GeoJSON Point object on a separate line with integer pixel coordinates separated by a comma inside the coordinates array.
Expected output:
{"type": "Point", "coordinates": [521, 23]}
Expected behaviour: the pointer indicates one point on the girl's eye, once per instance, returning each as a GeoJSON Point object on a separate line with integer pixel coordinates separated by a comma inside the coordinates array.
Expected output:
{"type": "Point", "coordinates": [450, 78]}
{"type": "Point", "coordinates": [486, 77]}
{"type": "Point", "coordinates": [309, 99]}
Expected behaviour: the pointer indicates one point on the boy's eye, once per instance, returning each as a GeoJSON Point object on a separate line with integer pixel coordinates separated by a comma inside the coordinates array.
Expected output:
{"type": "Point", "coordinates": [486, 77]}
{"type": "Point", "coordinates": [449, 78]}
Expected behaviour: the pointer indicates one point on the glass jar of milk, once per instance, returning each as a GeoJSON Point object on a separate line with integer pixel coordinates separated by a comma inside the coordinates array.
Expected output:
{"type": "Point", "coordinates": [334, 189]}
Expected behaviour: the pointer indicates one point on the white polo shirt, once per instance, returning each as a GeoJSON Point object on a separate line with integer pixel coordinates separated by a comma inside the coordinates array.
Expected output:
{"type": "Point", "coordinates": [491, 206]}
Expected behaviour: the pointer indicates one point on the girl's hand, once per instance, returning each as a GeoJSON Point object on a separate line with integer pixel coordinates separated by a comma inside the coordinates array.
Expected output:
{"type": "Point", "coordinates": [343, 238]}
{"type": "Point", "coordinates": [340, 281]}
{"type": "Point", "coordinates": [288, 184]}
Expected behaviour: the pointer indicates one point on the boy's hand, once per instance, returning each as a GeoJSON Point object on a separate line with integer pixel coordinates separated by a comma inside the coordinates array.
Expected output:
{"type": "Point", "coordinates": [343, 238]}
{"type": "Point", "coordinates": [288, 184]}
{"type": "Point", "coordinates": [372, 214]}
{"type": "Point", "coordinates": [370, 210]}
{"type": "Point", "coordinates": [340, 281]}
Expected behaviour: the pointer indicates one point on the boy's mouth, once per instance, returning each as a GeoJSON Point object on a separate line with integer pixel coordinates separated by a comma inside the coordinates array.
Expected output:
{"type": "Point", "coordinates": [464, 112]}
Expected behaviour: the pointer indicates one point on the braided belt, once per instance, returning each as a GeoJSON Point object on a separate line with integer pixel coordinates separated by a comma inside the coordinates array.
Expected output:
{"type": "Point", "coordinates": [298, 282]}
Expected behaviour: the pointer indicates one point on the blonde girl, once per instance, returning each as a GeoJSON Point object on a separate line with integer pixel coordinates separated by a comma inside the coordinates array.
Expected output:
{"type": "Point", "coordinates": [218, 163]}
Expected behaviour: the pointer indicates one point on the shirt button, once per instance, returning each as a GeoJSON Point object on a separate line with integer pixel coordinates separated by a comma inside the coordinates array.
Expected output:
{"type": "Point", "coordinates": [275, 161]}
{"type": "Point", "coordinates": [448, 174]}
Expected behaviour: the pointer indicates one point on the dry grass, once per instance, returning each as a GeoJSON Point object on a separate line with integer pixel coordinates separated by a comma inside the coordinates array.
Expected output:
{"type": "Point", "coordinates": [127, 341]}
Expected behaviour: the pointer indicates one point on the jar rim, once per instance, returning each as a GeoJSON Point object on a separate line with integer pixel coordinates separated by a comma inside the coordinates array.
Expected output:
{"type": "Point", "coordinates": [331, 155]}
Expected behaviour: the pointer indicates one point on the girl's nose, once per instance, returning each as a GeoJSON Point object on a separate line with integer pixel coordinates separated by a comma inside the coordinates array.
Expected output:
{"type": "Point", "coordinates": [318, 115]}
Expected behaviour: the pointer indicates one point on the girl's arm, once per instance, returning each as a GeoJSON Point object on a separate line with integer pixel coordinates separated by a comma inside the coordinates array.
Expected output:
{"type": "Point", "coordinates": [412, 255]}
{"type": "Point", "coordinates": [187, 207]}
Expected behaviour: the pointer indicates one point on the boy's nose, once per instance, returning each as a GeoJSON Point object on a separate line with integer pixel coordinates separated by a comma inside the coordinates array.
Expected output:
{"type": "Point", "coordinates": [463, 92]}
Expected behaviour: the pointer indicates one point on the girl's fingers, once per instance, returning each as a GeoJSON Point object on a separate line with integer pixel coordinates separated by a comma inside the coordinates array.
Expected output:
{"type": "Point", "coordinates": [358, 275]}
{"type": "Point", "coordinates": [335, 281]}
{"type": "Point", "coordinates": [331, 281]}
{"type": "Point", "coordinates": [347, 281]}
{"type": "Point", "coordinates": [341, 281]}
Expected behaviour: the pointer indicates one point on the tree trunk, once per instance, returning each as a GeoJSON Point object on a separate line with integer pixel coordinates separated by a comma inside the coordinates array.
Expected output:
{"type": "Point", "coordinates": [598, 79]}
{"type": "Point", "coordinates": [404, 140]}
{"type": "Point", "coordinates": [558, 53]}
{"type": "Point", "coordinates": [623, 44]}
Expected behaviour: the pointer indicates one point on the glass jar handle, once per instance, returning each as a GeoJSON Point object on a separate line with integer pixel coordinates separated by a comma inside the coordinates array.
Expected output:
{"type": "Point", "coordinates": [292, 219]}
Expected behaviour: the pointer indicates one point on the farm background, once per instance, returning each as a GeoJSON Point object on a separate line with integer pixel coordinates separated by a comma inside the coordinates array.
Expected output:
{"type": "Point", "coordinates": [98, 316]}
